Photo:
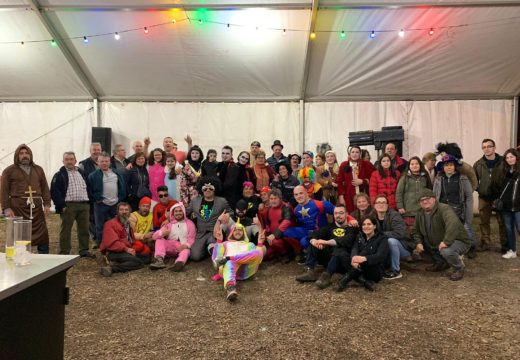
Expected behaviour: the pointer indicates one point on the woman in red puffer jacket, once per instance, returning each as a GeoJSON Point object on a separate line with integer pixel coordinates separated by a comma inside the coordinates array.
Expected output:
{"type": "Point", "coordinates": [384, 181]}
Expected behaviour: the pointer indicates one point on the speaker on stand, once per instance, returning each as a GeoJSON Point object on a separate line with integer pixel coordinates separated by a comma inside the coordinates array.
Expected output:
{"type": "Point", "coordinates": [103, 135]}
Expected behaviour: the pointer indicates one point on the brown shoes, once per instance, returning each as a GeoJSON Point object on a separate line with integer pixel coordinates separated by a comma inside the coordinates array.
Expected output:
{"type": "Point", "coordinates": [106, 271]}
{"type": "Point", "coordinates": [457, 275]}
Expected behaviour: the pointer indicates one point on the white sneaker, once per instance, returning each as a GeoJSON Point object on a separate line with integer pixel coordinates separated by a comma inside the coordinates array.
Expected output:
{"type": "Point", "coordinates": [510, 254]}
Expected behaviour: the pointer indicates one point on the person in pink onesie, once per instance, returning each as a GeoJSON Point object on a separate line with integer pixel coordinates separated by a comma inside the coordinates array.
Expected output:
{"type": "Point", "coordinates": [174, 239]}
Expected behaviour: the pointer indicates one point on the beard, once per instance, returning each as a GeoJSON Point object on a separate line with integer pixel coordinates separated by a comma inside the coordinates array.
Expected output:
{"type": "Point", "coordinates": [25, 161]}
{"type": "Point", "coordinates": [124, 219]}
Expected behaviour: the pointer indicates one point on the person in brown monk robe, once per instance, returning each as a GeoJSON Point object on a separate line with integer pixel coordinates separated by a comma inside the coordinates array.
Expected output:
{"type": "Point", "coordinates": [25, 192]}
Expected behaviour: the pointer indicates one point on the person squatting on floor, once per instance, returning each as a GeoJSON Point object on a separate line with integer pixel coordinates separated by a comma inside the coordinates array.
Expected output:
{"type": "Point", "coordinates": [236, 258]}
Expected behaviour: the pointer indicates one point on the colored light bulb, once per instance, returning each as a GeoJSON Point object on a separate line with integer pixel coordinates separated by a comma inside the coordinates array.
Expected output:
{"type": "Point", "coordinates": [431, 32]}
{"type": "Point", "coordinates": [342, 35]}
{"type": "Point", "coordinates": [22, 44]}
{"type": "Point", "coordinates": [85, 39]}
{"type": "Point", "coordinates": [284, 32]}
{"type": "Point", "coordinates": [53, 43]}
{"type": "Point", "coordinates": [313, 35]}
{"type": "Point", "coordinates": [401, 33]}
{"type": "Point", "coordinates": [146, 31]}
{"type": "Point", "coordinates": [117, 36]}
{"type": "Point", "coordinates": [372, 34]}
{"type": "Point", "coordinates": [200, 21]}
{"type": "Point", "coordinates": [174, 21]}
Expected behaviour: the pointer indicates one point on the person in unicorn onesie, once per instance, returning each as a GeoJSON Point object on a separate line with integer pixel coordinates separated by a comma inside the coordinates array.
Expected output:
{"type": "Point", "coordinates": [174, 239]}
{"type": "Point", "coordinates": [237, 258]}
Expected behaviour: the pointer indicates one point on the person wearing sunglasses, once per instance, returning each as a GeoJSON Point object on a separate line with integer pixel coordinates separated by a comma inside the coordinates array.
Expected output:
{"type": "Point", "coordinates": [206, 209]}
{"type": "Point", "coordinates": [161, 208]}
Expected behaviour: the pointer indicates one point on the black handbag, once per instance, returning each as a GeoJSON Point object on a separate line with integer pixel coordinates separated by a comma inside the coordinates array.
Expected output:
{"type": "Point", "coordinates": [498, 204]}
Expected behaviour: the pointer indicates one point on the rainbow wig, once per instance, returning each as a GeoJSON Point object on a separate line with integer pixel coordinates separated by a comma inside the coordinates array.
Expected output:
{"type": "Point", "coordinates": [307, 173]}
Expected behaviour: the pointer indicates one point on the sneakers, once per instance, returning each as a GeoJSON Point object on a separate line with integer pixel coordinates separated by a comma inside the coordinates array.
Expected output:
{"type": "Point", "coordinates": [457, 275]}
{"type": "Point", "coordinates": [510, 254]}
{"type": "Point", "coordinates": [323, 281]}
{"type": "Point", "coordinates": [231, 292]}
{"type": "Point", "coordinates": [106, 271]}
{"type": "Point", "coordinates": [392, 275]}
{"type": "Point", "coordinates": [178, 266]}
{"type": "Point", "coordinates": [307, 276]}
{"type": "Point", "coordinates": [437, 267]}
{"type": "Point", "coordinates": [158, 264]}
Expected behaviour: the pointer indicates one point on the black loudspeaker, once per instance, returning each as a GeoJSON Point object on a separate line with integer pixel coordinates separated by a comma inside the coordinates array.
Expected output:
{"type": "Point", "coordinates": [103, 136]}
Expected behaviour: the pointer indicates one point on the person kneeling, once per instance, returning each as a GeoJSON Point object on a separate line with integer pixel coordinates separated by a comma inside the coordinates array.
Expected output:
{"type": "Point", "coordinates": [174, 239]}
{"type": "Point", "coordinates": [236, 258]}
{"type": "Point", "coordinates": [368, 256]}
{"type": "Point", "coordinates": [123, 252]}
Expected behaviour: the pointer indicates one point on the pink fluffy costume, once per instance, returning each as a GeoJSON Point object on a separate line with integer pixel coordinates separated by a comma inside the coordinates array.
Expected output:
{"type": "Point", "coordinates": [244, 257]}
{"type": "Point", "coordinates": [179, 233]}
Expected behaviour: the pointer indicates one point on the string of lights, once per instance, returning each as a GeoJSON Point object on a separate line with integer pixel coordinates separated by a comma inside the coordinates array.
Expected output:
{"type": "Point", "coordinates": [430, 31]}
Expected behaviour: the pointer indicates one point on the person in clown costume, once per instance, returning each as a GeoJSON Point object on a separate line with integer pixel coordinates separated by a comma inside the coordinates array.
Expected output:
{"type": "Point", "coordinates": [236, 258]}
{"type": "Point", "coordinates": [307, 178]}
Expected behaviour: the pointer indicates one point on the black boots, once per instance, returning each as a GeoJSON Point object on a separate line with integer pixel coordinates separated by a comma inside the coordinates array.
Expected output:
{"type": "Point", "coordinates": [368, 284]}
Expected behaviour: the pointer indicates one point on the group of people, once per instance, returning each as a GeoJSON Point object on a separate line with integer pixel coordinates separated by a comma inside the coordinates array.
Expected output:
{"type": "Point", "coordinates": [164, 207]}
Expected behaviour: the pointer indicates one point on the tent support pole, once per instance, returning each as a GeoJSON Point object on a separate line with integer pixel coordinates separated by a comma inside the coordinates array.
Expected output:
{"type": "Point", "coordinates": [302, 126]}
{"type": "Point", "coordinates": [305, 76]}
{"type": "Point", "coordinates": [514, 126]}
{"type": "Point", "coordinates": [95, 107]}
{"type": "Point", "coordinates": [35, 6]}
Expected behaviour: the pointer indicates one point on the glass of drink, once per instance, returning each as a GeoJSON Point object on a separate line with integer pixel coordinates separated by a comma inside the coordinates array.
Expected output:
{"type": "Point", "coordinates": [9, 236]}
{"type": "Point", "coordinates": [22, 242]}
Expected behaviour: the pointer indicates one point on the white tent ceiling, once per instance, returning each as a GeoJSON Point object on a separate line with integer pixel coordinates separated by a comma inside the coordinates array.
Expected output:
{"type": "Point", "coordinates": [211, 61]}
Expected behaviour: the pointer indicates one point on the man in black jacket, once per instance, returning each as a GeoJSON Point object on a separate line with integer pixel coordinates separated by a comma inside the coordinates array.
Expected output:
{"type": "Point", "coordinates": [70, 195]}
{"type": "Point", "coordinates": [330, 246]}
{"type": "Point", "coordinates": [89, 165]}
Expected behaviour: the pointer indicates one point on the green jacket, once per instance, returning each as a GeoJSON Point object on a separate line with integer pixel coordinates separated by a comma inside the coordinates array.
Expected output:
{"type": "Point", "coordinates": [484, 175]}
{"type": "Point", "coordinates": [407, 193]}
{"type": "Point", "coordinates": [445, 227]}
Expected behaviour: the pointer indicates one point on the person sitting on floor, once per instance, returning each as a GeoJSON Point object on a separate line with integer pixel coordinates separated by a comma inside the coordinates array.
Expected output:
{"type": "Point", "coordinates": [141, 223]}
{"type": "Point", "coordinates": [174, 239]}
{"type": "Point", "coordinates": [206, 209]}
{"type": "Point", "coordinates": [236, 258]}
{"type": "Point", "coordinates": [119, 244]}
{"type": "Point", "coordinates": [438, 231]}
{"type": "Point", "coordinates": [368, 256]}
{"type": "Point", "coordinates": [330, 247]}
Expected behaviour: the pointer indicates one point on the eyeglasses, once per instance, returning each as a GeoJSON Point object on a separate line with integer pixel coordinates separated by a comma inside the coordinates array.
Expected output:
{"type": "Point", "coordinates": [487, 147]}
{"type": "Point", "coordinates": [162, 196]}
{"type": "Point", "coordinates": [381, 203]}
{"type": "Point", "coordinates": [208, 188]}
{"type": "Point", "coordinates": [424, 199]}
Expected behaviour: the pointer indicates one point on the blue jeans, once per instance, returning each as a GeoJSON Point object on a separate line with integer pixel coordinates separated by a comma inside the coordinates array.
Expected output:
{"type": "Point", "coordinates": [397, 251]}
{"type": "Point", "coordinates": [298, 233]}
{"type": "Point", "coordinates": [511, 219]}
{"type": "Point", "coordinates": [103, 213]}
{"type": "Point", "coordinates": [471, 233]}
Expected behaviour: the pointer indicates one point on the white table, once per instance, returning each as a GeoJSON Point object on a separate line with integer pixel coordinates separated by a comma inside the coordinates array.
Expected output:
{"type": "Point", "coordinates": [32, 306]}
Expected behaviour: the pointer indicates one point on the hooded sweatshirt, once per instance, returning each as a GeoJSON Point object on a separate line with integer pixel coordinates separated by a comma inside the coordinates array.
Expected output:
{"type": "Point", "coordinates": [183, 231]}
{"type": "Point", "coordinates": [15, 181]}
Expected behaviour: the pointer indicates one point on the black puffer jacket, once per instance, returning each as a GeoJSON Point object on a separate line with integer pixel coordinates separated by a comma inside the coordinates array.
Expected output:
{"type": "Point", "coordinates": [509, 192]}
{"type": "Point", "coordinates": [375, 249]}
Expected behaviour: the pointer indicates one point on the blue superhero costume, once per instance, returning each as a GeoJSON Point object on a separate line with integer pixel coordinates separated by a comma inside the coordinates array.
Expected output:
{"type": "Point", "coordinates": [311, 217]}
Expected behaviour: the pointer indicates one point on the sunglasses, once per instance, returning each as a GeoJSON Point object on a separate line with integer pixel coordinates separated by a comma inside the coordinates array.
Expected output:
{"type": "Point", "coordinates": [162, 196]}
{"type": "Point", "coordinates": [208, 188]}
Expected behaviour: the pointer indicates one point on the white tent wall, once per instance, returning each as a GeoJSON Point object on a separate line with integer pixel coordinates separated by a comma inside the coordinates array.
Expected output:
{"type": "Point", "coordinates": [426, 123]}
{"type": "Point", "coordinates": [48, 128]}
{"type": "Point", "coordinates": [211, 125]}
